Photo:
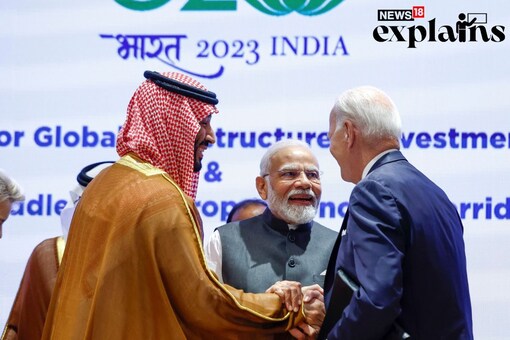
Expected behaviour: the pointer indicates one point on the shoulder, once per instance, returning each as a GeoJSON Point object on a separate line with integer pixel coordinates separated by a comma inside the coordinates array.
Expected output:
{"type": "Point", "coordinates": [139, 198]}
{"type": "Point", "coordinates": [229, 227]}
{"type": "Point", "coordinates": [394, 170]}
{"type": "Point", "coordinates": [44, 255]}
{"type": "Point", "coordinates": [48, 245]}
{"type": "Point", "coordinates": [375, 193]}
{"type": "Point", "coordinates": [397, 179]}
{"type": "Point", "coordinates": [139, 189]}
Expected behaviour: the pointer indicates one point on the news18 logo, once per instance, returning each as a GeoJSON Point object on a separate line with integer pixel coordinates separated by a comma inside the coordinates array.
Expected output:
{"type": "Point", "coordinates": [417, 12]}
{"type": "Point", "coordinates": [470, 27]}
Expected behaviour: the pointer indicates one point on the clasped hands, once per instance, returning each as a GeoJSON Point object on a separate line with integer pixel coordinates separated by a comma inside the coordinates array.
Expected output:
{"type": "Point", "coordinates": [312, 297]}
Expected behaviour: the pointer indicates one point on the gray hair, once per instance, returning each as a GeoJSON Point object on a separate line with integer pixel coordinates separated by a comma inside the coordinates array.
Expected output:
{"type": "Point", "coordinates": [9, 189]}
{"type": "Point", "coordinates": [273, 149]}
{"type": "Point", "coordinates": [371, 110]}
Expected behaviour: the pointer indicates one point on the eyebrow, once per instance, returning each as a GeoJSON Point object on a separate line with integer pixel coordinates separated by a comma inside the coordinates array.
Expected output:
{"type": "Point", "coordinates": [206, 119]}
{"type": "Point", "coordinates": [298, 167]}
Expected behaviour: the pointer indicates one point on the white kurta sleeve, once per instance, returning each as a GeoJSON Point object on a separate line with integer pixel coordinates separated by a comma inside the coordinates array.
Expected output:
{"type": "Point", "coordinates": [212, 250]}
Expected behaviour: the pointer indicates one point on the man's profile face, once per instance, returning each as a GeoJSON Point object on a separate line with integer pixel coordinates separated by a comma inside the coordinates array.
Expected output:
{"type": "Point", "coordinates": [293, 187]}
{"type": "Point", "coordinates": [204, 137]}
{"type": "Point", "coordinates": [5, 210]}
{"type": "Point", "coordinates": [337, 144]}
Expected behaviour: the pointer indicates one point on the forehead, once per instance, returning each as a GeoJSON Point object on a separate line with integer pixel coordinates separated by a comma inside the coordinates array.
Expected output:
{"type": "Point", "coordinates": [5, 209]}
{"type": "Point", "coordinates": [293, 156]}
{"type": "Point", "coordinates": [332, 118]}
{"type": "Point", "coordinates": [206, 119]}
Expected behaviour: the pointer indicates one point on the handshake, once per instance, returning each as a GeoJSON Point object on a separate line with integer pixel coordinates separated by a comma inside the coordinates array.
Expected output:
{"type": "Point", "coordinates": [311, 297]}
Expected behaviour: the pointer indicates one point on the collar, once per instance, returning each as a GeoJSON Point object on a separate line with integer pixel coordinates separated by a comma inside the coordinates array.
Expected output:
{"type": "Point", "coordinates": [281, 226]}
{"type": "Point", "coordinates": [136, 163]}
{"type": "Point", "coordinates": [372, 162]}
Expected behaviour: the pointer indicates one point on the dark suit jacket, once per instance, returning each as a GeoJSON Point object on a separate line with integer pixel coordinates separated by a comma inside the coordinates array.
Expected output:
{"type": "Point", "coordinates": [404, 247]}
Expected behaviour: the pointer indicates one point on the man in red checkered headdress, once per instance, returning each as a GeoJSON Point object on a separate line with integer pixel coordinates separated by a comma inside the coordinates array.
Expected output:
{"type": "Point", "coordinates": [134, 267]}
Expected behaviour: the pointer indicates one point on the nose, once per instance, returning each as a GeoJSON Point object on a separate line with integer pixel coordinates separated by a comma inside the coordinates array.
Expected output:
{"type": "Point", "coordinates": [302, 181]}
{"type": "Point", "coordinates": [210, 135]}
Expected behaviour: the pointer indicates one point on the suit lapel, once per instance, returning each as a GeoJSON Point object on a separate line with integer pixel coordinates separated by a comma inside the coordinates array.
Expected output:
{"type": "Point", "coordinates": [331, 315]}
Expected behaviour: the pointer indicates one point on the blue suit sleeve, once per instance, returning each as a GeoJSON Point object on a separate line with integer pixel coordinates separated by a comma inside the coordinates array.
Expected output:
{"type": "Point", "coordinates": [372, 254]}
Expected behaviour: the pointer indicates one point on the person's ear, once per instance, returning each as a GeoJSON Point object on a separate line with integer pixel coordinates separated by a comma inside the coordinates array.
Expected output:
{"type": "Point", "coordinates": [350, 133]}
{"type": "Point", "coordinates": [261, 185]}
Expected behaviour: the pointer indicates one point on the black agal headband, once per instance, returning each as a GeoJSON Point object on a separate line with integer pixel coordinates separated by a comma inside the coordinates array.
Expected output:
{"type": "Point", "coordinates": [84, 177]}
{"type": "Point", "coordinates": [181, 88]}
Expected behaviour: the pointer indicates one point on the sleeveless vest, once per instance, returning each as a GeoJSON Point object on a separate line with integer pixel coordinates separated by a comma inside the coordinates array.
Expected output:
{"type": "Point", "coordinates": [261, 250]}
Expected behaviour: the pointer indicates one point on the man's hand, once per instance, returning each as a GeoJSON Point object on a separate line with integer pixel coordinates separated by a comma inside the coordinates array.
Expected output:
{"type": "Point", "coordinates": [304, 331]}
{"type": "Point", "coordinates": [314, 310]}
{"type": "Point", "coordinates": [312, 292]}
{"type": "Point", "coordinates": [289, 292]}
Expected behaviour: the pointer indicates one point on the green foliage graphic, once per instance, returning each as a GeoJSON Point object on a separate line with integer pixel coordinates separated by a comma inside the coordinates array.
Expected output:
{"type": "Point", "coordinates": [283, 7]}
{"type": "Point", "coordinates": [139, 5]}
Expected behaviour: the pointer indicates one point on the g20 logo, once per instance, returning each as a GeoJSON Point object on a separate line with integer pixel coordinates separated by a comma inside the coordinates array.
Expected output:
{"type": "Point", "coordinates": [270, 7]}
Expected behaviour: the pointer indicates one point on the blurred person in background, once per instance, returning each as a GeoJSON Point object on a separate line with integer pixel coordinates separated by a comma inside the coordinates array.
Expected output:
{"type": "Point", "coordinates": [28, 312]}
{"type": "Point", "coordinates": [245, 209]}
{"type": "Point", "coordinates": [10, 192]}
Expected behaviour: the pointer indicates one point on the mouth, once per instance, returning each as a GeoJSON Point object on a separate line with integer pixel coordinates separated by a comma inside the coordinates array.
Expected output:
{"type": "Point", "coordinates": [302, 199]}
{"type": "Point", "coordinates": [201, 149]}
{"type": "Point", "coordinates": [200, 153]}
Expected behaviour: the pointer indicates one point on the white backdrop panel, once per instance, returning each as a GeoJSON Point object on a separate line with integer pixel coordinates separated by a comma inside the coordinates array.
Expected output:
{"type": "Point", "coordinates": [61, 83]}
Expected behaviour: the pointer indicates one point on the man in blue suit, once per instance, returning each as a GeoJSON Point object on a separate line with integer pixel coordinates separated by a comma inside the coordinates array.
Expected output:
{"type": "Point", "coordinates": [401, 241]}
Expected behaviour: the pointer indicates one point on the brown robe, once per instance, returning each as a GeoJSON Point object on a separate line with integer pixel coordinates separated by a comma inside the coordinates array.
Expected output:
{"type": "Point", "coordinates": [26, 320]}
{"type": "Point", "coordinates": [134, 268]}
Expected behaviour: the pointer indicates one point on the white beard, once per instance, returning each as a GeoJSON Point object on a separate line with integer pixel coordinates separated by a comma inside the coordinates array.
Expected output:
{"type": "Point", "coordinates": [292, 214]}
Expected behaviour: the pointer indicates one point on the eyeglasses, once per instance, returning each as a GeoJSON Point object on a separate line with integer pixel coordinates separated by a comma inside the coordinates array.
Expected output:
{"type": "Point", "coordinates": [292, 175]}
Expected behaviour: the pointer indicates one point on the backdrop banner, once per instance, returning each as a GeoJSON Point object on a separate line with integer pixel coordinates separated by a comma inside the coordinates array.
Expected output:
{"type": "Point", "coordinates": [70, 68]}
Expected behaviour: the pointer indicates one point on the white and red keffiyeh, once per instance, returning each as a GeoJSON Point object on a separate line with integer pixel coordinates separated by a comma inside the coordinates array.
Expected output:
{"type": "Point", "coordinates": [161, 127]}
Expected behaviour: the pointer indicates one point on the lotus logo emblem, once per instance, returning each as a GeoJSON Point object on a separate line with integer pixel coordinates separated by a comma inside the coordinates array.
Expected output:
{"type": "Point", "coordinates": [270, 7]}
{"type": "Point", "coordinates": [304, 7]}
